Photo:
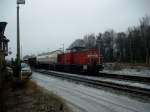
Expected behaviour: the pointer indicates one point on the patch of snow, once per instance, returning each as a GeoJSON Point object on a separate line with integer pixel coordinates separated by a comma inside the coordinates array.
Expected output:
{"type": "Point", "coordinates": [133, 72]}
{"type": "Point", "coordinates": [87, 99]}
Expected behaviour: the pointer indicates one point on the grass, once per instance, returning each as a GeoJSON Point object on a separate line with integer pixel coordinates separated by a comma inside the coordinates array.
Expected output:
{"type": "Point", "coordinates": [27, 96]}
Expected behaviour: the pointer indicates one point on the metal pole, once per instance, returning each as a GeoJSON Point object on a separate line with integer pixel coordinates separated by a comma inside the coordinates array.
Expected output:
{"type": "Point", "coordinates": [99, 49]}
{"type": "Point", "coordinates": [99, 53]}
{"type": "Point", "coordinates": [21, 57]}
{"type": "Point", "coordinates": [63, 48]}
{"type": "Point", "coordinates": [18, 43]}
{"type": "Point", "coordinates": [63, 54]}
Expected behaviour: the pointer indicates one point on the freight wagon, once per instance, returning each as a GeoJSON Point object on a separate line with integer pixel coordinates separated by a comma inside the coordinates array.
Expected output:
{"type": "Point", "coordinates": [48, 60]}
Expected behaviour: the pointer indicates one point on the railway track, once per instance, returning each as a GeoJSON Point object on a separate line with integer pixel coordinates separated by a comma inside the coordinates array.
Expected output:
{"type": "Point", "coordinates": [98, 82]}
{"type": "Point", "coordinates": [126, 77]}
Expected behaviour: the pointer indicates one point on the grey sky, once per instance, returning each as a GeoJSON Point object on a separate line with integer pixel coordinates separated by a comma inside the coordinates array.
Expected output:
{"type": "Point", "coordinates": [47, 24]}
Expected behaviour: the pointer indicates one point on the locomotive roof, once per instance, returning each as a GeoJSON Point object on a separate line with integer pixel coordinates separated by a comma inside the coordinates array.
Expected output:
{"type": "Point", "coordinates": [76, 48]}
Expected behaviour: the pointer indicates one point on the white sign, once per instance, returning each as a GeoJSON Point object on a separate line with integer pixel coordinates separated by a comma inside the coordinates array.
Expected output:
{"type": "Point", "coordinates": [20, 1]}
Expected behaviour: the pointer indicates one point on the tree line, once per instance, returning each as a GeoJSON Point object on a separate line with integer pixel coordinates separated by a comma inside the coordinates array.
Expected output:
{"type": "Point", "coordinates": [131, 46]}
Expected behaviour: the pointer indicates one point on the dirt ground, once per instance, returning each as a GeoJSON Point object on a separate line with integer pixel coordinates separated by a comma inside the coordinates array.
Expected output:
{"type": "Point", "coordinates": [28, 97]}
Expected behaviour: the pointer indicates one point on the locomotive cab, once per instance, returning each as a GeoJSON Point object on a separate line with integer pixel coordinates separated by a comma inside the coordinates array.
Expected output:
{"type": "Point", "coordinates": [94, 61]}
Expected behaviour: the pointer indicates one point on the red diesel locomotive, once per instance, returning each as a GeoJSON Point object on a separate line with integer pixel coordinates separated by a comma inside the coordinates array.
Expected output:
{"type": "Point", "coordinates": [86, 60]}
{"type": "Point", "coordinates": [74, 60]}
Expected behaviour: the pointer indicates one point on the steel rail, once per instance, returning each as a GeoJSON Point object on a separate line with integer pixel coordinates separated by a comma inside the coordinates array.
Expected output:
{"type": "Point", "coordinates": [128, 88]}
{"type": "Point", "coordinates": [142, 79]}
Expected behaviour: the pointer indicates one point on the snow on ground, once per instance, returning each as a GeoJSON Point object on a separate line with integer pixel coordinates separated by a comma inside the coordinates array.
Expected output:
{"type": "Point", "coordinates": [129, 83]}
{"type": "Point", "coordinates": [87, 99]}
{"type": "Point", "coordinates": [128, 71]}
{"type": "Point", "coordinates": [122, 82]}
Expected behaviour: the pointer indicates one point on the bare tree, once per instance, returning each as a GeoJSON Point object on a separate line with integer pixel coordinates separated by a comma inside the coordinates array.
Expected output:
{"type": "Point", "coordinates": [120, 45]}
{"type": "Point", "coordinates": [132, 46]}
{"type": "Point", "coordinates": [77, 43]}
{"type": "Point", "coordinates": [108, 39]}
{"type": "Point", "coordinates": [144, 25]}
{"type": "Point", "coordinates": [90, 40]}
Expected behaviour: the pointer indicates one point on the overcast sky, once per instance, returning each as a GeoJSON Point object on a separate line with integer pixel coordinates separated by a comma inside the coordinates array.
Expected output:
{"type": "Point", "coordinates": [46, 24]}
